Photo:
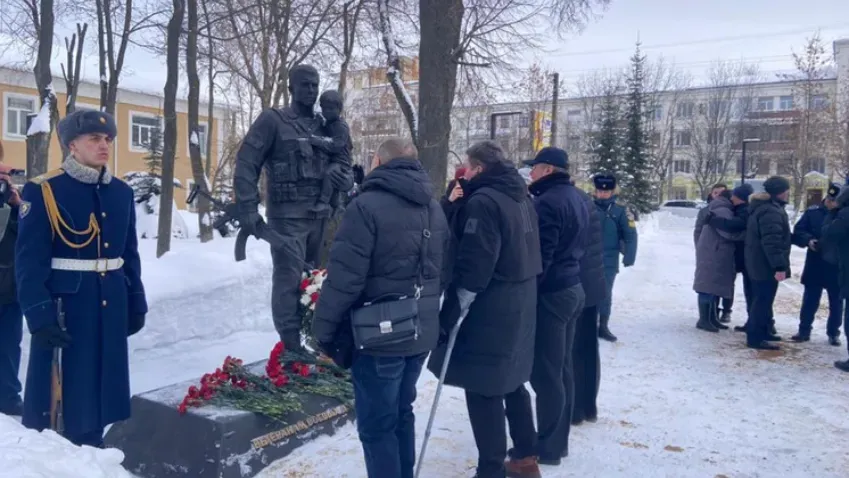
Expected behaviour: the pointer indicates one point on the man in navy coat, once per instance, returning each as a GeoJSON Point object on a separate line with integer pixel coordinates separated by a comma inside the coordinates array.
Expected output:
{"type": "Point", "coordinates": [619, 233]}
{"type": "Point", "coordinates": [818, 274]}
{"type": "Point", "coordinates": [77, 242]}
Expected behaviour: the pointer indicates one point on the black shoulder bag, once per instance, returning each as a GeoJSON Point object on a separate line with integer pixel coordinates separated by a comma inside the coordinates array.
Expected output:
{"type": "Point", "coordinates": [392, 319]}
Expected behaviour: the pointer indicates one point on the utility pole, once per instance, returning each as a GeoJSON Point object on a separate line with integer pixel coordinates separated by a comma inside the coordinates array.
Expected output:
{"type": "Point", "coordinates": [555, 96]}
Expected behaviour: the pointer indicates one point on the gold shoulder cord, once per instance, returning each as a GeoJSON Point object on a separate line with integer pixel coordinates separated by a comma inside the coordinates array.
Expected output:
{"type": "Point", "coordinates": [57, 222]}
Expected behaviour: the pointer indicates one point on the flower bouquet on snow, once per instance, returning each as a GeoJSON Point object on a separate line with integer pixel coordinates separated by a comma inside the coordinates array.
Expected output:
{"type": "Point", "coordinates": [274, 393]}
{"type": "Point", "coordinates": [310, 289]}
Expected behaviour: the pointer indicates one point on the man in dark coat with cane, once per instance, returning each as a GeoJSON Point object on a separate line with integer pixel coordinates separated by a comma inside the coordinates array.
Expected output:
{"type": "Point", "coordinates": [496, 266]}
{"type": "Point", "coordinates": [77, 257]}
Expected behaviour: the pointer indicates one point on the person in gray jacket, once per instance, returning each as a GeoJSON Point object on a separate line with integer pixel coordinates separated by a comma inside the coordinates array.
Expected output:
{"type": "Point", "coordinates": [715, 266]}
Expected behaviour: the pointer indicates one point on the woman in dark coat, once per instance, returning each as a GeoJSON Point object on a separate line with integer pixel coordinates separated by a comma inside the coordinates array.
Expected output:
{"type": "Point", "coordinates": [835, 246]}
{"type": "Point", "coordinates": [497, 260]}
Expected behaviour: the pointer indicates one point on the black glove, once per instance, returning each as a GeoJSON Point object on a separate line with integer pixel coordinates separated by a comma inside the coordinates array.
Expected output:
{"type": "Point", "coordinates": [250, 221]}
{"type": "Point", "coordinates": [340, 179]}
{"type": "Point", "coordinates": [134, 325]}
{"type": "Point", "coordinates": [50, 337]}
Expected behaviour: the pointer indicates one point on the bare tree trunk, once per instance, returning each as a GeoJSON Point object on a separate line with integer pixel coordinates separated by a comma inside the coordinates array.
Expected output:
{"type": "Point", "coordinates": [210, 78]}
{"type": "Point", "coordinates": [350, 19]}
{"type": "Point", "coordinates": [39, 141]}
{"type": "Point", "coordinates": [201, 181]}
{"type": "Point", "coordinates": [169, 147]}
{"type": "Point", "coordinates": [441, 22]}
{"type": "Point", "coordinates": [111, 61]}
{"type": "Point", "coordinates": [71, 73]}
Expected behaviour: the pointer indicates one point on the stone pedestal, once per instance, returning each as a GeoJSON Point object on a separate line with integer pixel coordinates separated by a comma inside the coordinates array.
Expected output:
{"type": "Point", "coordinates": [213, 442]}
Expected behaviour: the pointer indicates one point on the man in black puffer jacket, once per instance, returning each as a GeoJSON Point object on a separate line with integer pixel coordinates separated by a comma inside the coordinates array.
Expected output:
{"type": "Point", "coordinates": [767, 255]}
{"type": "Point", "coordinates": [587, 362]}
{"type": "Point", "coordinates": [562, 232]}
{"type": "Point", "coordinates": [494, 277]}
{"type": "Point", "coordinates": [376, 252]}
{"type": "Point", "coordinates": [835, 250]}
{"type": "Point", "coordinates": [11, 317]}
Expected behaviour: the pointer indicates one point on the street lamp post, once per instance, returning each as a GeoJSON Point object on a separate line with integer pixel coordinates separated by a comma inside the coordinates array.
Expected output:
{"type": "Point", "coordinates": [743, 160]}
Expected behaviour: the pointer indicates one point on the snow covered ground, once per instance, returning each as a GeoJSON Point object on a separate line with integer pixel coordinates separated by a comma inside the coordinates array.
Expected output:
{"type": "Point", "coordinates": [674, 401]}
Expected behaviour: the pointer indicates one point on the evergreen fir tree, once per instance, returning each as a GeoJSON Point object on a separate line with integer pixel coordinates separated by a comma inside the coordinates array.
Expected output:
{"type": "Point", "coordinates": [607, 151]}
{"type": "Point", "coordinates": [636, 187]}
{"type": "Point", "coordinates": [154, 153]}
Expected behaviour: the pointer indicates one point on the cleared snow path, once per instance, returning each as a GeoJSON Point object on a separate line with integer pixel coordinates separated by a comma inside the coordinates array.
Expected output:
{"type": "Point", "coordinates": [674, 402]}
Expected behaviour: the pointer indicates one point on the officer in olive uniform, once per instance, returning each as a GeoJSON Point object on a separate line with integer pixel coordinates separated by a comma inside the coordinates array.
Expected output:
{"type": "Point", "coordinates": [279, 142]}
{"type": "Point", "coordinates": [818, 274]}
{"type": "Point", "coordinates": [619, 233]}
{"type": "Point", "coordinates": [79, 283]}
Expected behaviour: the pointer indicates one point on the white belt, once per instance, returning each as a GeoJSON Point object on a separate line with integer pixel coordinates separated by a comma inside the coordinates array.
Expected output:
{"type": "Point", "coordinates": [86, 265]}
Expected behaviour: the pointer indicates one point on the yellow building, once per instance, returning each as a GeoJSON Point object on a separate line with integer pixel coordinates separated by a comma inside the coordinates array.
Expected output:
{"type": "Point", "coordinates": [136, 114]}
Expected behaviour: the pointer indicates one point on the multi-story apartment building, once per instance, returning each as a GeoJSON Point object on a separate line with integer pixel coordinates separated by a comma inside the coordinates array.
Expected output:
{"type": "Point", "coordinates": [137, 114]}
{"type": "Point", "coordinates": [371, 108]}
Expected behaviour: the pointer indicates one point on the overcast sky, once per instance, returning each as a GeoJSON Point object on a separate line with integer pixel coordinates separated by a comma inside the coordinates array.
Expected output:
{"type": "Point", "coordinates": [691, 34]}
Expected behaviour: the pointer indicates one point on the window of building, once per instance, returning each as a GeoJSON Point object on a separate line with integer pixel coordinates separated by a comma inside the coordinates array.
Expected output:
{"type": "Point", "coordinates": [657, 112]}
{"type": "Point", "coordinates": [816, 165]}
{"type": "Point", "coordinates": [717, 108]}
{"type": "Point", "coordinates": [524, 121]}
{"type": "Point", "coordinates": [784, 167]}
{"type": "Point", "coordinates": [785, 103]}
{"type": "Point", "coordinates": [683, 138]}
{"type": "Point", "coordinates": [681, 166]}
{"type": "Point", "coordinates": [504, 122]}
{"type": "Point", "coordinates": [819, 102]}
{"type": "Point", "coordinates": [678, 194]}
{"type": "Point", "coordinates": [86, 106]}
{"type": "Point", "coordinates": [142, 126]}
{"type": "Point", "coordinates": [573, 141]}
{"type": "Point", "coordinates": [202, 132]}
{"type": "Point", "coordinates": [716, 137]}
{"type": "Point", "coordinates": [685, 110]}
{"type": "Point", "coordinates": [765, 103]}
{"type": "Point", "coordinates": [573, 115]}
{"type": "Point", "coordinates": [17, 107]}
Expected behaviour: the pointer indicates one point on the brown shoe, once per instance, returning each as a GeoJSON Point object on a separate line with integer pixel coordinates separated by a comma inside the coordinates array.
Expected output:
{"type": "Point", "coordinates": [524, 468]}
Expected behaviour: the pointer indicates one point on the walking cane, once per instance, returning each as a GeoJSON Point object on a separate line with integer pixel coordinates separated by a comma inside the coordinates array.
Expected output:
{"type": "Point", "coordinates": [57, 419]}
{"type": "Point", "coordinates": [452, 337]}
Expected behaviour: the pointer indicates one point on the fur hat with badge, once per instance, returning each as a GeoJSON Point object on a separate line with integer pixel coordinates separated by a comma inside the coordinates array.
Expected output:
{"type": "Point", "coordinates": [82, 122]}
{"type": "Point", "coordinates": [604, 182]}
{"type": "Point", "coordinates": [833, 191]}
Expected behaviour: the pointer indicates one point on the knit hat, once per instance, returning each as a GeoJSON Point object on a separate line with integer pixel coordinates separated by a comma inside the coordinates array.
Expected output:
{"type": "Point", "coordinates": [833, 191]}
{"type": "Point", "coordinates": [459, 173]}
{"type": "Point", "coordinates": [82, 122]}
{"type": "Point", "coordinates": [743, 191]}
{"type": "Point", "coordinates": [776, 185]}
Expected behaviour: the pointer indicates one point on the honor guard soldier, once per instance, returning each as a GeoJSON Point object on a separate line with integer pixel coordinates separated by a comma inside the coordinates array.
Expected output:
{"type": "Point", "coordinates": [619, 234]}
{"type": "Point", "coordinates": [79, 285]}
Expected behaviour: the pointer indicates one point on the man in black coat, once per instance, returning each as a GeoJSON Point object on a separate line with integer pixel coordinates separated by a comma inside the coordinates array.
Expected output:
{"type": "Point", "coordinates": [11, 317]}
{"type": "Point", "coordinates": [563, 222]}
{"type": "Point", "coordinates": [587, 363]}
{"type": "Point", "coordinates": [818, 273]}
{"type": "Point", "coordinates": [768, 242]}
{"type": "Point", "coordinates": [495, 271]}
{"type": "Point", "coordinates": [835, 247]}
{"type": "Point", "coordinates": [377, 252]}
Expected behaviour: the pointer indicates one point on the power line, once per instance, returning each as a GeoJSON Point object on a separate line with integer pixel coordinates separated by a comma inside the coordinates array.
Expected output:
{"type": "Point", "coordinates": [753, 36]}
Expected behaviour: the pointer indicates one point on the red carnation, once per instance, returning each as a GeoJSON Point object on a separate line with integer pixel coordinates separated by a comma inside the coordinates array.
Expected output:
{"type": "Point", "coordinates": [314, 297]}
{"type": "Point", "coordinates": [281, 381]}
{"type": "Point", "coordinates": [193, 391]}
{"type": "Point", "coordinates": [305, 371]}
{"type": "Point", "coordinates": [304, 284]}
{"type": "Point", "coordinates": [182, 408]}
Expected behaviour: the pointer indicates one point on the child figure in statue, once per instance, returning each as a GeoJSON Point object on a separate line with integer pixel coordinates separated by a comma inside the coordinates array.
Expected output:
{"type": "Point", "coordinates": [337, 144]}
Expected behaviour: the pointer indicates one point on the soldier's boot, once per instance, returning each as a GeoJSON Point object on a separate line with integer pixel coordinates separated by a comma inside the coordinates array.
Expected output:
{"type": "Point", "coordinates": [834, 340]}
{"type": "Point", "coordinates": [762, 345]}
{"type": "Point", "coordinates": [292, 341]}
{"type": "Point", "coordinates": [741, 328]}
{"type": "Point", "coordinates": [802, 336]}
{"type": "Point", "coordinates": [713, 317]}
{"type": "Point", "coordinates": [14, 408]}
{"type": "Point", "coordinates": [604, 331]}
{"type": "Point", "coordinates": [842, 365]}
{"type": "Point", "coordinates": [704, 322]}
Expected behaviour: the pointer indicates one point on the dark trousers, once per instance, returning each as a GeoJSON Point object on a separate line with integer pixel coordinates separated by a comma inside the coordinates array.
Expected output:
{"type": "Point", "coordinates": [606, 305]}
{"type": "Point", "coordinates": [384, 391]}
{"type": "Point", "coordinates": [486, 415]}
{"type": "Point", "coordinates": [92, 439]}
{"type": "Point", "coordinates": [811, 302]}
{"type": "Point", "coordinates": [304, 243]}
{"type": "Point", "coordinates": [587, 365]}
{"type": "Point", "coordinates": [748, 293]}
{"type": "Point", "coordinates": [760, 315]}
{"type": "Point", "coordinates": [11, 333]}
{"type": "Point", "coordinates": [552, 376]}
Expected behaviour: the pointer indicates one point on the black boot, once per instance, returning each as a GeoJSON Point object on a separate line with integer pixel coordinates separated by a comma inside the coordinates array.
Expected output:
{"type": "Point", "coordinates": [14, 408]}
{"type": "Point", "coordinates": [844, 365]}
{"type": "Point", "coordinates": [801, 337]}
{"type": "Point", "coordinates": [763, 345]}
{"type": "Point", "coordinates": [834, 340]}
{"type": "Point", "coordinates": [741, 328]}
{"type": "Point", "coordinates": [704, 322]}
{"type": "Point", "coordinates": [713, 317]}
{"type": "Point", "coordinates": [725, 317]}
{"type": "Point", "coordinates": [604, 332]}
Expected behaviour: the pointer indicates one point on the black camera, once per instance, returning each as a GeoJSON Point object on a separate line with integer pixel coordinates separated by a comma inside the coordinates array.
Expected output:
{"type": "Point", "coordinates": [6, 188]}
